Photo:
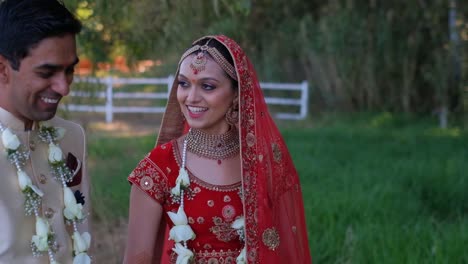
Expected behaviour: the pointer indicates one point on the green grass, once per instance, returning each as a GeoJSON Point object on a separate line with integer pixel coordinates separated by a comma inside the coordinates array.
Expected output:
{"type": "Point", "coordinates": [377, 188]}
{"type": "Point", "coordinates": [111, 159]}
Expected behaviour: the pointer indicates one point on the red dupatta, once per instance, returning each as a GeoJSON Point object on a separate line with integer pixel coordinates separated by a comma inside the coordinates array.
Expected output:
{"type": "Point", "coordinates": [276, 230]}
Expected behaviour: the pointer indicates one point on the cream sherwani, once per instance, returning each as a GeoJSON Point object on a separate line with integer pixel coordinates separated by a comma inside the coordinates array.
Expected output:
{"type": "Point", "coordinates": [16, 229]}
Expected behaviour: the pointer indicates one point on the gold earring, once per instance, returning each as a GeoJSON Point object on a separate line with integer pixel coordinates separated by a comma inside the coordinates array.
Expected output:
{"type": "Point", "coordinates": [232, 114]}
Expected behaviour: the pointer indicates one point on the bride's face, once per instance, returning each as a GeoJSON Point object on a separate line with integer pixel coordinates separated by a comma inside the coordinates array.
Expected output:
{"type": "Point", "coordinates": [205, 96]}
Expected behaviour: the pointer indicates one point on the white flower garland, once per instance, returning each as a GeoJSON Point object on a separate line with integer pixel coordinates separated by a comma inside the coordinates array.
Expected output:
{"type": "Point", "coordinates": [181, 232]}
{"type": "Point", "coordinates": [44, 239]}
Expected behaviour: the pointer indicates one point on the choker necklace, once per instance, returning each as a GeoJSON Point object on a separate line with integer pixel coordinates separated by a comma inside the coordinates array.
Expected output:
{"type": "Point", "coordinates": [214, 147]}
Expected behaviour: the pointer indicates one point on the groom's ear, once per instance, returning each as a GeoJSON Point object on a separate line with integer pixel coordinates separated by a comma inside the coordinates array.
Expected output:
{"type": "Point", "coordinates": [4, 69]}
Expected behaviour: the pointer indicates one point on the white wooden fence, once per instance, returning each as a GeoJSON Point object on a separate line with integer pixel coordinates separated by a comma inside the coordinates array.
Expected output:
{"type": "Point", "coordinates": [110, 82]}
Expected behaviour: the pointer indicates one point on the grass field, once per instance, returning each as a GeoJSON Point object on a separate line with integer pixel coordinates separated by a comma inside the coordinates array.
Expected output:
{"type": "Point", "coordinates": [377, 188]}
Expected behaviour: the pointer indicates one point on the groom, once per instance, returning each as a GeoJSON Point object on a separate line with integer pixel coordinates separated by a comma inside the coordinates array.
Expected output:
{"type": "Point", "coordinates": [42, 209]}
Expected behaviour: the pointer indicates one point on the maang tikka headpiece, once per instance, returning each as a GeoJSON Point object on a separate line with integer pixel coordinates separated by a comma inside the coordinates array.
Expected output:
{"type": "Point", "coordinates": [198, 62]}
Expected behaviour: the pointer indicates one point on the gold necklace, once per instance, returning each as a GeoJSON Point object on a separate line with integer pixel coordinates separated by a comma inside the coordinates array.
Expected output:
{"type": "Point", "coordinates": [214, 147]}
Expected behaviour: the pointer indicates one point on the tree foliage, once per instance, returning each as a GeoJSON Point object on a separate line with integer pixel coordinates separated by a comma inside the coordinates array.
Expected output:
{"type": "Point", "coordinates": [357, 54]}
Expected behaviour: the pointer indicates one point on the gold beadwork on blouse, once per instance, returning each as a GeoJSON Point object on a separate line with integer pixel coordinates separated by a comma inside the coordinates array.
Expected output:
{"type": "Point", "coordinates": [271, 238]}
{"type": "Point", "coordinates": [146, 183]}
{"type": "Point", "coordinates": [228, 212]}
{"type": "Point", "coordinates": [223, 230]}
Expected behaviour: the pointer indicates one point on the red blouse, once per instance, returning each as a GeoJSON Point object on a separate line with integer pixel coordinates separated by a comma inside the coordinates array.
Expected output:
{"type": "Point", "coordinates": [210, 209]}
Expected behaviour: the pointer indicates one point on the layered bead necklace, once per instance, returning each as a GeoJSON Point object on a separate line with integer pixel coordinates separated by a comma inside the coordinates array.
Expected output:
{"type": "Point", "coordinates": [43, 242]}
{"type": "Point", "coordinates": [216, 147]}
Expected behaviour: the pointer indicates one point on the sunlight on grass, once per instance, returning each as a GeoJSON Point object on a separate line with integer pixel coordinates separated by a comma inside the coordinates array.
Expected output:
{"type": "Point", "coordinates": [448, 132]}
{"type": "Point", "coordinates": [381, 119]}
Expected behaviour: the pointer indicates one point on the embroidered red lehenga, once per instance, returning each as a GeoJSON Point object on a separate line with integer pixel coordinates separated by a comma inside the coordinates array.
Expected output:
{"type": "Point", "coordinates": [269, 195]}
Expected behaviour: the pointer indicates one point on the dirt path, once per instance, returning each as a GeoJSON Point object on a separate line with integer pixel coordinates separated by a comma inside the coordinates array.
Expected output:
{"type": "Point", "coordinates": [110, 238]}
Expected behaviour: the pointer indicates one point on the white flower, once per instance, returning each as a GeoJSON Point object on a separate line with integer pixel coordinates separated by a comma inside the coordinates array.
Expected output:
{"type": "Point", "coordinates": [242, 259]}
{"type": "Point", "coordinates": [42, 233]}
{"type": "Point", "coordinates": [238, 223]}
{"type": "Point", "coordinates": [184, 255]}
{"type": "Point", "coordinates": [72, 210]}
{"type": "Point", "coordinates": [176, 190]}
{"type": "Point", "coordinates": [55, 153]}
{"type": "Point", "coordinates": [59, 133]}
{"type": "Point", "coordinates": [36, 190]}
{"type": "Point", "coordinates": [40, 242]}
{"type": "Point", "coordinates": [10, 140]}
{"type": "Point", "coordinates": [180, 218]}
{"type": "Point", "coordinates": [24, 180]}
{"type": "Point", "coordinates": [82, 258]}
{"type": "Point", "coordinates": [42, 227]}
{"type": "Point", "coordinates": [183, 178]}
{"type": "Point", "coordinates": [182, 181]}
{"type": "Point", "coordinates": [68, 196]}
{"type": "Point", "coordinates": [54, 262]}
{"type": "Point", "coordinates": [181, 233]}
{"type": "Point", "coordinates": [81, 242]}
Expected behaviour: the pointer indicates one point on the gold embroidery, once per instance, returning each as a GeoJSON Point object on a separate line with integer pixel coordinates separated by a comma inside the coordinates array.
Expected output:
{"type": "Point", "coordinates": [190, 220]}
{"type": "Point", "coordinates": [271, 238]}
{"type": "Point", "coordinates": [228, 212]}
{"type": "Point", "coordinates": [277, 155]}
{"type": "Point", "coordinates": [146, 183]}
{"type": "Point", "coordinates": [223, 230]}
{"type": "Point", "coordinates": [212, 261]}
{"type": "Point", "coordinates": [150, 178]}
{"type": "Point", "coordinates": [207, 246]}
{"type": "Point", "coordinates": [226, 257]}
{"type": "Point", "coordinates": [260, 157]}
{"type": "Point", "coordinates": [250, 139]}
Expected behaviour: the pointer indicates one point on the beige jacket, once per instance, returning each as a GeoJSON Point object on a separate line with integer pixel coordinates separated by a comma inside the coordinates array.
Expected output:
{"type": "Point", "coordinates": [16, 229]}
